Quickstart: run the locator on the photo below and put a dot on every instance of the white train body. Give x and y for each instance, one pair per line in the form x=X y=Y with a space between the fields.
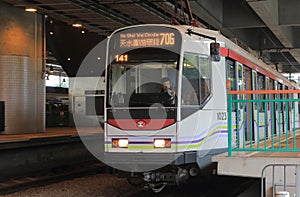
x=190 y=133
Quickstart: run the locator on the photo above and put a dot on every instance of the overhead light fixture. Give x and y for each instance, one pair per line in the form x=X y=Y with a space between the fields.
x=77 y=24
x=30 y=9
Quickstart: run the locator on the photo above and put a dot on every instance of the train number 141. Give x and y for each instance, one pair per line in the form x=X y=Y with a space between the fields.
x=221 y=116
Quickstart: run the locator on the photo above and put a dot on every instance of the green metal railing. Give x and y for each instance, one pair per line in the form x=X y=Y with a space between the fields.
x=268 y=124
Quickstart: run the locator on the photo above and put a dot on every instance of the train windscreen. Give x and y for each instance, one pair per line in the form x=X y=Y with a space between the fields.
x=139 y=83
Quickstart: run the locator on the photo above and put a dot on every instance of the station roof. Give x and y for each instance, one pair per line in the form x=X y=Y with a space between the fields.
x=270 y=27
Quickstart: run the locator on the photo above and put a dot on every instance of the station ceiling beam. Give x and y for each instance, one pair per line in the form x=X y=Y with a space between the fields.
x=269 y=27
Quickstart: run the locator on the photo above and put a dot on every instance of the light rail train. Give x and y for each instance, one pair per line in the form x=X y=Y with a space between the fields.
x=168 y=141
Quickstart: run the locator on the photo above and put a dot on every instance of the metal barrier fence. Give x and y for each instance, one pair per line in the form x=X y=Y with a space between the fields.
x=285 y=184
x=263 y=120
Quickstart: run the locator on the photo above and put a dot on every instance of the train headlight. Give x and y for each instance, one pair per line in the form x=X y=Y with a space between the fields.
x=162 y=143
x=120 y=143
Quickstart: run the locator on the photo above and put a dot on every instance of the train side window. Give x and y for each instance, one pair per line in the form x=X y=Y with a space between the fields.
x=190 y=80
x=261 y=86
x=205 y=78
x=231 y=78
x=286 y=96
x=254 y=87
x=240 y=82
x=272 y=87
x=267 y=96
x=280 y=96
x=196 y=85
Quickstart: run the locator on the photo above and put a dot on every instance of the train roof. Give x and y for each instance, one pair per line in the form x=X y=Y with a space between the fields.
x=261 y=66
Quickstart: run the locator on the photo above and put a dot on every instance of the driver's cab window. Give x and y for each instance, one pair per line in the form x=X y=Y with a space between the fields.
x=196 y=81
x=190 y=80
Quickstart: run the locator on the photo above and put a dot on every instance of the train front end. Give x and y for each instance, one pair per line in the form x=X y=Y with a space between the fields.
x=140 y=128
x=159 y=117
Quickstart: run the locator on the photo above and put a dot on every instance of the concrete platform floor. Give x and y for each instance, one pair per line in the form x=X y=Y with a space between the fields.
x=50 y=132
x=250 y=164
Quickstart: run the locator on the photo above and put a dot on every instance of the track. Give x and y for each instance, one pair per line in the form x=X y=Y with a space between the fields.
x=108 y=185
x=213 y=187
x=51 y=176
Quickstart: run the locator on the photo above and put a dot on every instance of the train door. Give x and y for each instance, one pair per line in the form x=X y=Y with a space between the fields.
x=283 y=96
x=241 y=116
x=276 y=108
x=267 y=108
x=287 y=112
x=292 y=111
x=247 y=79
x=255 y=105
x=279 y=113
x=283 y=108
x=231 y=77
x=297 y=104
x=259 y=122
x=272 y=106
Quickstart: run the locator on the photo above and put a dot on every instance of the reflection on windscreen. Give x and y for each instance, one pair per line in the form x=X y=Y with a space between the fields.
x=139 y=84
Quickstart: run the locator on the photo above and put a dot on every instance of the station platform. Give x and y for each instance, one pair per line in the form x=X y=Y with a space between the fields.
x=278 y=171
x=23 y=154
x=50 y=133
x=245 y=164
x=251 y=164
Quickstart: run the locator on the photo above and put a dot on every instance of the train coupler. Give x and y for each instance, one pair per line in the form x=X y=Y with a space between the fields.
x=158 y=180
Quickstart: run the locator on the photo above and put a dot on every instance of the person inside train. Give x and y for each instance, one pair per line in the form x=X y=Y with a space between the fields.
x=168 y=96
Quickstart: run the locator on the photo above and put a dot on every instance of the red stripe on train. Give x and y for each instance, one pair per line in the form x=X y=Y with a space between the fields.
x=224 y=51
x=141 y=124
x=232 y=54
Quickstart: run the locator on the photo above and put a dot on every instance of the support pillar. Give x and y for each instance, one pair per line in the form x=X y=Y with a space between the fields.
x=21 y=61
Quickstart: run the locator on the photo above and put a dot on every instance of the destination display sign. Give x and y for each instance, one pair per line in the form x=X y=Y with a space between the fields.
x=126 y=44
x=147 y=39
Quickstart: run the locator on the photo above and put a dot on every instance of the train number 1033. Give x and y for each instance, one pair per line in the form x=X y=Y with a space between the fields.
x=167 y=39
x=221 y=116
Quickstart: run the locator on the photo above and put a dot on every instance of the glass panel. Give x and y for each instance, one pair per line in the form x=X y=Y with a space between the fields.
x=232 y=79
x=254 y=87
x=137 y=82
x=231 y=75
x=205 y=78
x=57 y=81
x=261 y=86
x=190 y=80
x=254 y=81
x=241 y=83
